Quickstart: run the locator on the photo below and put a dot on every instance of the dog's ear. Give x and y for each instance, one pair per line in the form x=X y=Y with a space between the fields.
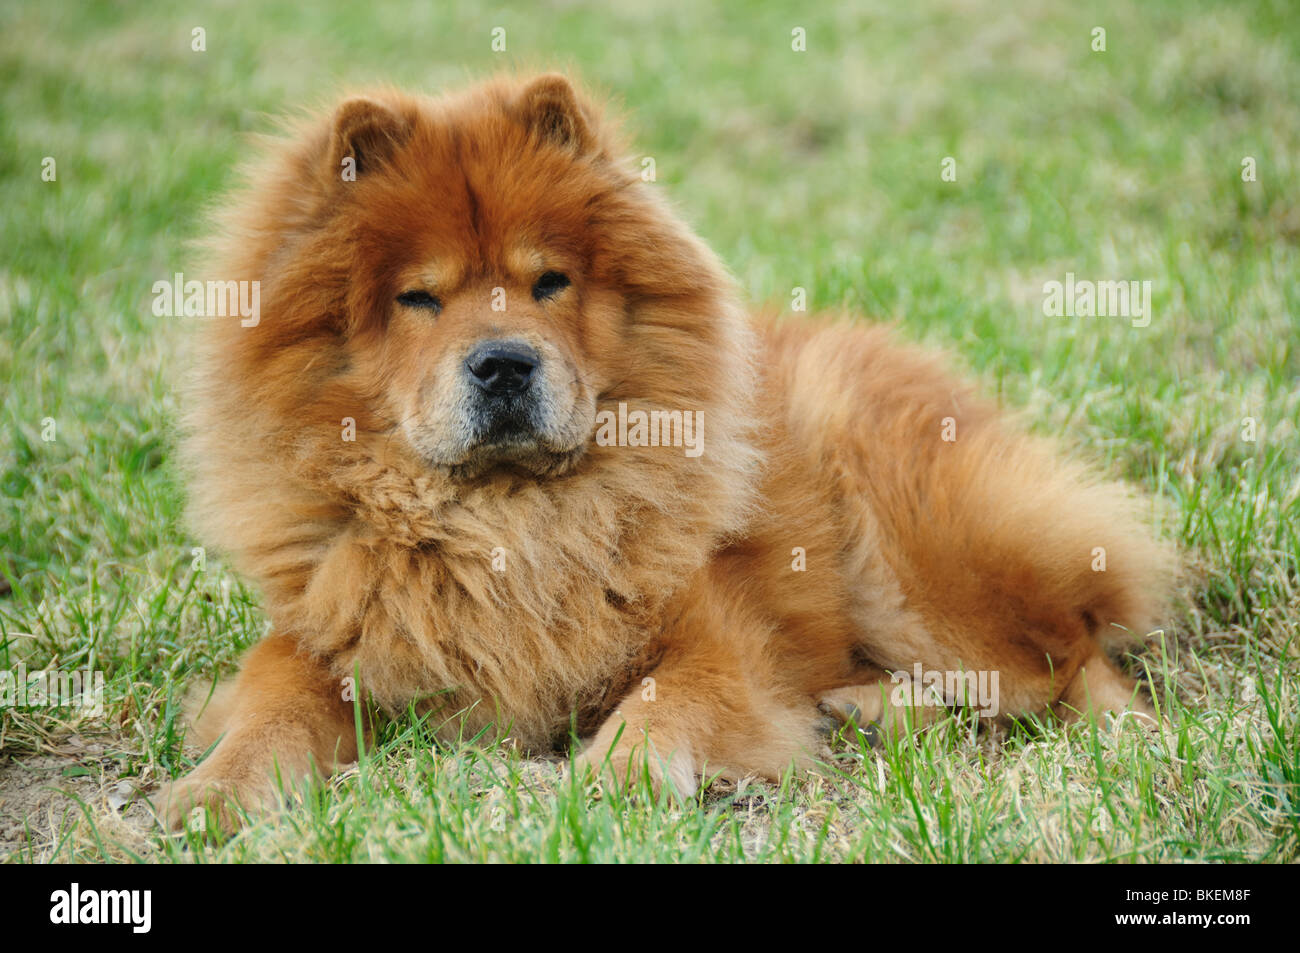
x=550 y=108
x=368 y=132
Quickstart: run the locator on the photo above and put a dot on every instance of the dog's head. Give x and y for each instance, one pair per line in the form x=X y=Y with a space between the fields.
x=483 y=272
x=490 y=323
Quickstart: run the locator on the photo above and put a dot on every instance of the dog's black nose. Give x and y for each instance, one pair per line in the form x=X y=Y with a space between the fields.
x=502 y=368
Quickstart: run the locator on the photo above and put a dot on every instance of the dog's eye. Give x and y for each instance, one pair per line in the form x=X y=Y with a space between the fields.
x=420 y=299
x=549 y=285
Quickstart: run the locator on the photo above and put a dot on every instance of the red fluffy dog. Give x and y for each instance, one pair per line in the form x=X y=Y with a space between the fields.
x=505 y=444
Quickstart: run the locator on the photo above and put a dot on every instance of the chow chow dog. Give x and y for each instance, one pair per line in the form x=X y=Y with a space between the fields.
x=504 y=447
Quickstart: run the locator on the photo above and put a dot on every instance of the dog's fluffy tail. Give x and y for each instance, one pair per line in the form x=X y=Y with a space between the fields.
x=1078 y=546
x=1009 y=552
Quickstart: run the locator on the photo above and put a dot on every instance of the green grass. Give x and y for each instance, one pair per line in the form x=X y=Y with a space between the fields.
x=817 y=170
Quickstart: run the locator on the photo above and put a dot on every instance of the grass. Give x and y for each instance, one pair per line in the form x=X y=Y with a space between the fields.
x=818 y=170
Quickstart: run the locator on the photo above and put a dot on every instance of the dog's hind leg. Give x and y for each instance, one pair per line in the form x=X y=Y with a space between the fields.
x=1099 y=686
x=973 y=547
x=878 y=707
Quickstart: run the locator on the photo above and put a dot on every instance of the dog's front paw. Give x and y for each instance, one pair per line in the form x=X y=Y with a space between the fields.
x=628 y=758
x=194 y=801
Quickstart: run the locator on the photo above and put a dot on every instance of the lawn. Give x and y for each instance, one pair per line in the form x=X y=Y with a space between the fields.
x=1171 y=156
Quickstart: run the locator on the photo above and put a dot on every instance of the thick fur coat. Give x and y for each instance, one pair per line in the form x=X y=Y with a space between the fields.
x=854 y=511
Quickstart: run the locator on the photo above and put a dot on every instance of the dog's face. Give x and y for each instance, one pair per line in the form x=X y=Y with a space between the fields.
x=486 y=312
x=492 y=369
